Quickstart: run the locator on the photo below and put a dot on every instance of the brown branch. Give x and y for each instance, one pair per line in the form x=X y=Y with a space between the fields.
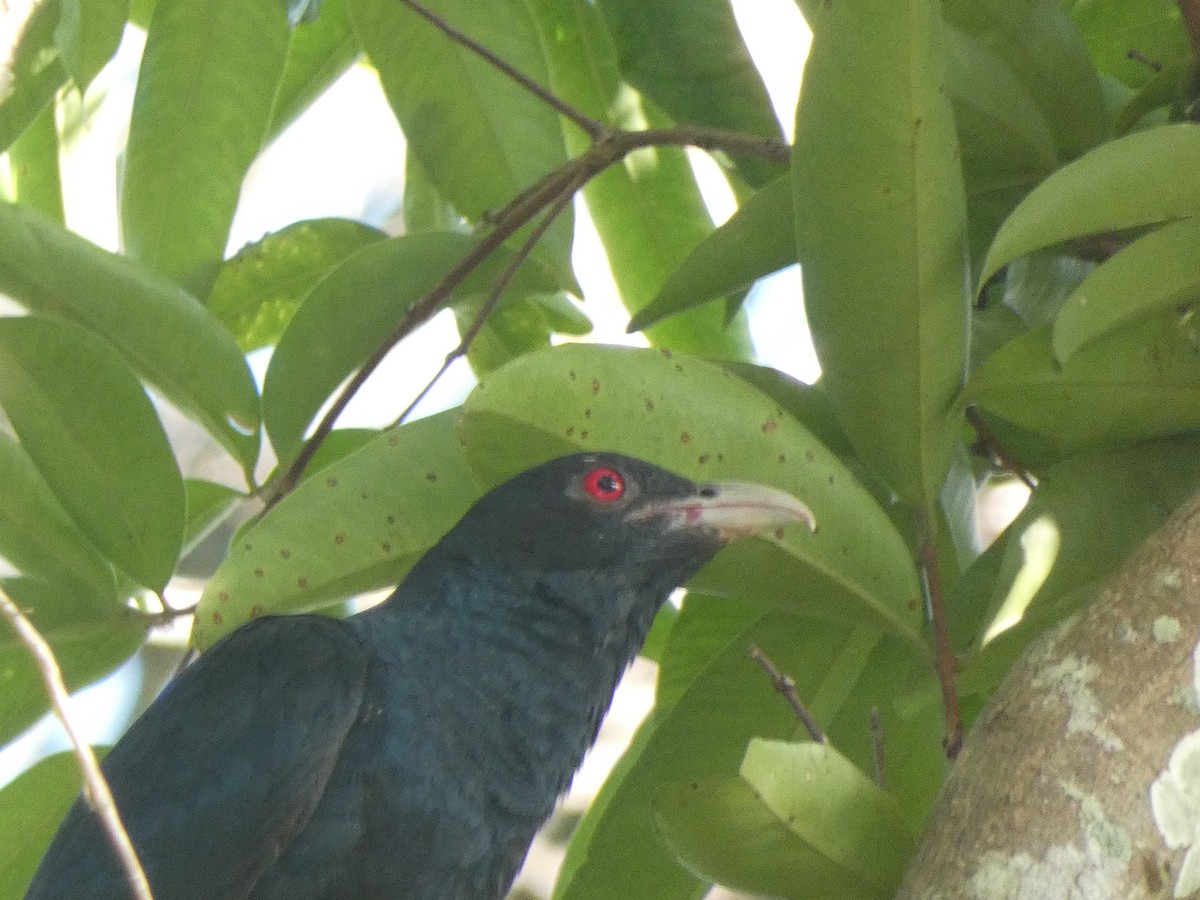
x=490 y=301
x=594 y=128
x=786 y=686
x=95 y=786
x=1189 y=11
x=945 y=662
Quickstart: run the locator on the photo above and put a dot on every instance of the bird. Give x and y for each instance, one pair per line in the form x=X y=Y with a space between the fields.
x=412 y=750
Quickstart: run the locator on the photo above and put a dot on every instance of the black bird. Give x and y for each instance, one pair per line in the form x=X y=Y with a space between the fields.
x=412 y=750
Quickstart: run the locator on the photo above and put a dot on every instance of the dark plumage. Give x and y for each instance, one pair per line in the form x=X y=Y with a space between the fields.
x=412 y=750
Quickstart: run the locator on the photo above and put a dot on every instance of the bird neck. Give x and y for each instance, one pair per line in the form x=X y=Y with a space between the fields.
x=531 y=659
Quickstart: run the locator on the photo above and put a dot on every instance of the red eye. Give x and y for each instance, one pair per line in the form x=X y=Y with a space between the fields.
x=604 y=484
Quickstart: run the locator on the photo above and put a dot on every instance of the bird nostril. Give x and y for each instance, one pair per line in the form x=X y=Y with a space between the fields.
x=708 y=490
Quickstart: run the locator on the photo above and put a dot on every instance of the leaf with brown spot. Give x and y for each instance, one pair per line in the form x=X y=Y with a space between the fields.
x=379 y=545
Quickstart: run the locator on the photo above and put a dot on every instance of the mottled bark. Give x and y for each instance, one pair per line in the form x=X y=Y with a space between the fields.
x=1051 y=795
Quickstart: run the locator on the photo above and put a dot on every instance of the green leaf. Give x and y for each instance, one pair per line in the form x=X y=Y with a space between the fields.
x=1140 y=179
x=1111 y=28
x=985 y=87
x=423 y=207
x=31 y=808
x=319 y=51
x=705 y=423
x=38 y=538
x=207 y=504
x=890 y=324
x=356 y=526
x=1163 y=98
x=33 y=174
x=35 y=73
x=257 y=292
x=688 y=57
x=338 y=443
x=615 y=851
x=648 y=223
x=482 y=138
x=991 y=328
x=1138 y=383
x=1007 y=144
x=807 y=403
x=1041 y=45
x=87 y=35
x=516 y=327
x=1156 y=273
x=833 y=806
x=161 y=331
x=89 y=640
x=89 y=427
x=350 y=312
x=712 y=699
x=647 y=209
x=759 y=239
x=800 y=821
x=204 y=95
x=562 y=315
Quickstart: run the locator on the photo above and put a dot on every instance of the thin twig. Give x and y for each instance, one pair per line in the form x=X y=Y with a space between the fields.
x=490 y=301
x=989 y=443
x=877 y=747
x=945 y=663
x=786 y=686
x=594 y=128
x=95 y=786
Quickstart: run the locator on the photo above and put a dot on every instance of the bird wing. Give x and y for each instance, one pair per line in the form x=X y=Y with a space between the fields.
x=220 y=773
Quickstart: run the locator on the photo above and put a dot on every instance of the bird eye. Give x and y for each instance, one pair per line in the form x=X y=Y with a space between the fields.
x=604 y=484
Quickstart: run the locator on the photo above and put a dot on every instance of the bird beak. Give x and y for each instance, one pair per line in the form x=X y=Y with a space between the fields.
x=732 y=509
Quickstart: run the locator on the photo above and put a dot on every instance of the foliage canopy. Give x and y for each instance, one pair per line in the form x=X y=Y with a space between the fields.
x=995 y=209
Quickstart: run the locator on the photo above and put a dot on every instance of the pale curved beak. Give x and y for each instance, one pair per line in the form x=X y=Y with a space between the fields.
x=732 y=509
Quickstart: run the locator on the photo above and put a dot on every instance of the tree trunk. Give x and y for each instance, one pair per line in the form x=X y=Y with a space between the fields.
x=1081 y=779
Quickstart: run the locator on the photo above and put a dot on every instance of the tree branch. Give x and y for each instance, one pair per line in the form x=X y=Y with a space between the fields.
x=95 y=786
x=1053 y=794
x=945 y=662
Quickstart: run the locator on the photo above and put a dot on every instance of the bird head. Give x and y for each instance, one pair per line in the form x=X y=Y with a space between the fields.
x=607 y=512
